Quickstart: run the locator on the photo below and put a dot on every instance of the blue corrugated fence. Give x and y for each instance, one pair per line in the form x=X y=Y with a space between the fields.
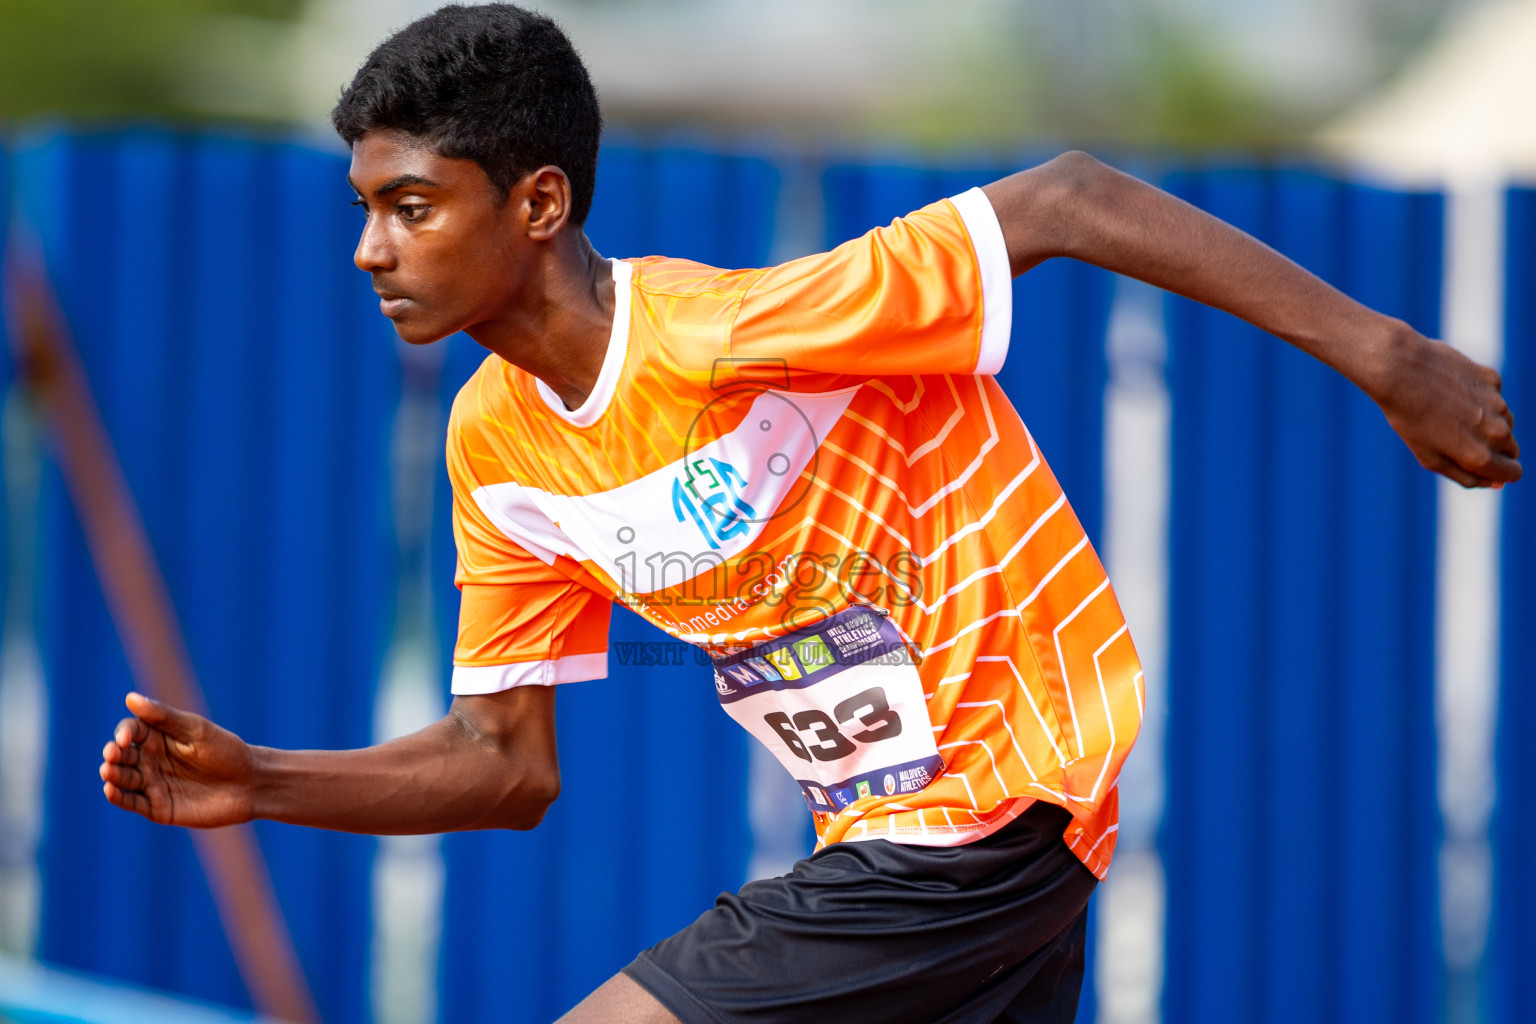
x=1513 y=945
x=1300 y=840
x=248 y=384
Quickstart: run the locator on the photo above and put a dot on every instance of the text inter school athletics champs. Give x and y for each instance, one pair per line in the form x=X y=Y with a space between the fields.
x=808 y=471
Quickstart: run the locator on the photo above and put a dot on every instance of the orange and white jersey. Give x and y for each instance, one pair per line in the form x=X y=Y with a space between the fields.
x=809 y=471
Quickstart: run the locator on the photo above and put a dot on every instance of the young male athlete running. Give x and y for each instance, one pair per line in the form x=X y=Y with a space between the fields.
x=809 y=471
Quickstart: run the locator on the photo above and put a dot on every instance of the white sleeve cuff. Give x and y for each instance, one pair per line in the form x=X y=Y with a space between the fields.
x=996 y=278
x=573 y=668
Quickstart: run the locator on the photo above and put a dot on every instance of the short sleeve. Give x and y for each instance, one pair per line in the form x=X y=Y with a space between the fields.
x=932 y=293
x=522 y=621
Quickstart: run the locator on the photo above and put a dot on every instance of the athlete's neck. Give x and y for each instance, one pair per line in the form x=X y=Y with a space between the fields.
x=559 y=329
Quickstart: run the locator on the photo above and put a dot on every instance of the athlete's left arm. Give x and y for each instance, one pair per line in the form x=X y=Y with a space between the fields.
x=1446 y=407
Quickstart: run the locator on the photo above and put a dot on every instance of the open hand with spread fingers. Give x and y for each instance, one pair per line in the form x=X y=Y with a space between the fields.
x=177 y=768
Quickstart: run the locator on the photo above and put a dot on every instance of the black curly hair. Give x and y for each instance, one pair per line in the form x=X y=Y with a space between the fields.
x=491 y=83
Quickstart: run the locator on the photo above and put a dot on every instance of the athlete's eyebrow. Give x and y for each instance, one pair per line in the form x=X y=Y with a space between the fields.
x=401 y=182
x=395 y=183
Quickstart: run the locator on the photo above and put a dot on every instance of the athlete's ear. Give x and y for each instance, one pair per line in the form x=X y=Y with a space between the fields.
x=549 y=202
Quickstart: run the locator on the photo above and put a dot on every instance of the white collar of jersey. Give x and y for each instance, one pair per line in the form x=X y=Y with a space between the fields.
x=613 y=360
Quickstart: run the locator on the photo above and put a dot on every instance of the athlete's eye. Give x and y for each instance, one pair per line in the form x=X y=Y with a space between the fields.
x=360 y=201
x=412 y=212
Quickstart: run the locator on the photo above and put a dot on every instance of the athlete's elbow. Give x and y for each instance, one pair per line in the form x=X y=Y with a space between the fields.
x=540 y=793
x=1077 y=168
x=505 y=747
x=1074 y=180
x=1044 y=210
x=1085 y=199
x=528 y=798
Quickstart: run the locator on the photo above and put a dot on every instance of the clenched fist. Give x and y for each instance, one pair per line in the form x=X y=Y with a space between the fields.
x=1450 y=412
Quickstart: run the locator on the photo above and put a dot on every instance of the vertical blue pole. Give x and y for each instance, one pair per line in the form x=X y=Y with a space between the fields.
x=1512 y=949
x=1388 y=958
x=1302 y=683
x=1221 y=383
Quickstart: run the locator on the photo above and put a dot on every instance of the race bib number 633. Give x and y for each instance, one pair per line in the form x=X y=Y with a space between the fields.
x=840 y=704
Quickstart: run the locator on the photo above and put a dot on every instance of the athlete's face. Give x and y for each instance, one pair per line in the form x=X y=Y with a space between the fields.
x=445 y=249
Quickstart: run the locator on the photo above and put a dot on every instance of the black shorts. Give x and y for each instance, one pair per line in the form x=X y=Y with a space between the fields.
x=880 y=932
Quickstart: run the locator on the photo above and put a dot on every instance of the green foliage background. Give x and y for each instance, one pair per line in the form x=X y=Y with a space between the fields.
x=107 y=58
x=1153 y=74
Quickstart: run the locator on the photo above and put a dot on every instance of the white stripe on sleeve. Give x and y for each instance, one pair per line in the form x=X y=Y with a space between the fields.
x=573 y=668
x=996 y=278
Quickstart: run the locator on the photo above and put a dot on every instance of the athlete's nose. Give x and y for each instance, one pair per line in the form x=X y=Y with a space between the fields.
x=374 y=253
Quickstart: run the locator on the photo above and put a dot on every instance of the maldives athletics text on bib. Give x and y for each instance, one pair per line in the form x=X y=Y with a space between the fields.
x=840 y=704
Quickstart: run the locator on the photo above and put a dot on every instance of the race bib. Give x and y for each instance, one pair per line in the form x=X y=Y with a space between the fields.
x=841 y=706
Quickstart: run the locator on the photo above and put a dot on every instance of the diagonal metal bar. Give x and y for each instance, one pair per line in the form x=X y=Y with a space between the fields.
x=146 y=621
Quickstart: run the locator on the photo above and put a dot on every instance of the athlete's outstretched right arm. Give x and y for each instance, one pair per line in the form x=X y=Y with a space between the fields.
x=1446 y=408
x=489 y=763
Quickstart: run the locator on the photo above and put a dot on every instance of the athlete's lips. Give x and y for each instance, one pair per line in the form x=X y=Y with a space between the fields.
x=392 y=303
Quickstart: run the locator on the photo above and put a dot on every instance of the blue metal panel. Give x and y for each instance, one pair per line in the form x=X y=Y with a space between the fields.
x=1387 y=915
x=328 y=572
x=249 y=390
x=1218 y=519
x=1512 y=950
x=81 y=652
x=534 y=921
x=623 y=205
x=1301 y=831
x=680 y=200
x=718 y=228
x=1302 y=545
